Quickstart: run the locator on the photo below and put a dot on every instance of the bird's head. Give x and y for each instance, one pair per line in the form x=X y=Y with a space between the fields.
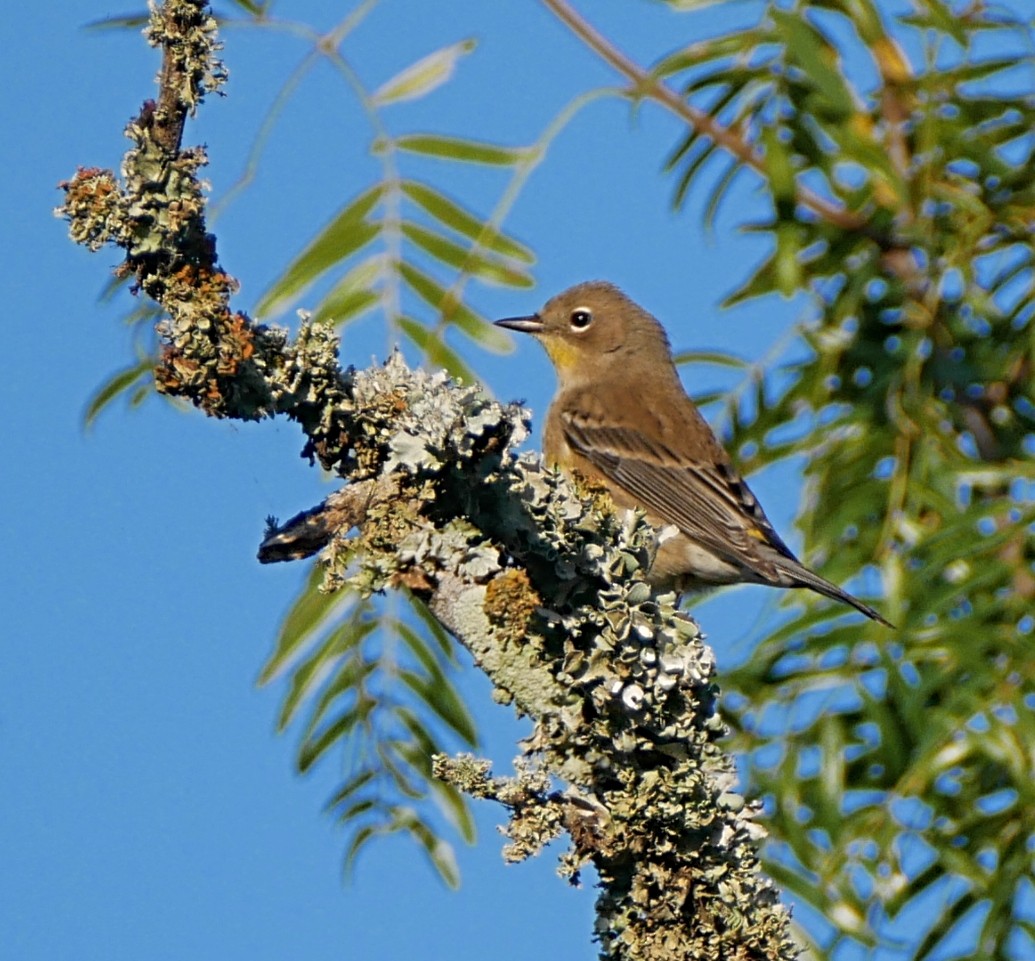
x=593 y=331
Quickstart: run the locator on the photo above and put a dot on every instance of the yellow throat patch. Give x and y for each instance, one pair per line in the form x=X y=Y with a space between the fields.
x=564 y=355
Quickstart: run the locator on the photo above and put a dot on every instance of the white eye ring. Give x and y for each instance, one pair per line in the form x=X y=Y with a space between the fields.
x=581 y=318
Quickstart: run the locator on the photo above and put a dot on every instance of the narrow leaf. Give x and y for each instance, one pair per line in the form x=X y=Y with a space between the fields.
x=780 y=172
x=468 y=151
x=452 y=215
x=817 y=58
x=314 y=747
x=317 y=667
x=343 y=236
x=358 y=842
x=128 y=21
x=463 y=258
x=436 y=351
x=455 y=807
x=942 y=18
x=119 y=382
x=788 y=263
x=420 y=78
x=443 y=699
x=454 y=311
x=306 y=615
x=434 y=627
x=357 y=782
x=353 y=295
x=440 y=853
x=717 y=358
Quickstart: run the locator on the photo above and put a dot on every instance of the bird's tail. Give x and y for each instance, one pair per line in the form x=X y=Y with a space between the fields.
x=801 y=576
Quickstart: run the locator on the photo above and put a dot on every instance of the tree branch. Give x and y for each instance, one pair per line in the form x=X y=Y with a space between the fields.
x=543 y=584
x=643 y=83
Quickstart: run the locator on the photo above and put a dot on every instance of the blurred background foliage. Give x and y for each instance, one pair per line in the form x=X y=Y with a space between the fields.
x=893 y=142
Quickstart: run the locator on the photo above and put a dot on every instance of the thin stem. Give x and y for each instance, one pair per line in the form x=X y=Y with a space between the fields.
x=645 y=85
x=265 y=132
x=533 y=158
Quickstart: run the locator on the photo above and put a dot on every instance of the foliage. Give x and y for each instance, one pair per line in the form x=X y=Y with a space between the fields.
x=897 y=769
x=385 y=696
x=897 y=153
x=371 y=680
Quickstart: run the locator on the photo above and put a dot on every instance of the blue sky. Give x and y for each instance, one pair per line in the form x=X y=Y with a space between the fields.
x=149 y=811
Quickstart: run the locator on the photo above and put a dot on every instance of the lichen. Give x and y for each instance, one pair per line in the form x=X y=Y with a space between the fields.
x=618 y=681
x=542 y=580
x=510 y=603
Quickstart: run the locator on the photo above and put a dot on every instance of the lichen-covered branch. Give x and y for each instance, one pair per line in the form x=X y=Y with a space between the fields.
x=542 y=582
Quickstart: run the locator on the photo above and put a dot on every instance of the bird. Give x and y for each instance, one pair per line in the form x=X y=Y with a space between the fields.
x=621 y=417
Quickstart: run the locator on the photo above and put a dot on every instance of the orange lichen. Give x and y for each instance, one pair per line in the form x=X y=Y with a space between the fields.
x=510 y=603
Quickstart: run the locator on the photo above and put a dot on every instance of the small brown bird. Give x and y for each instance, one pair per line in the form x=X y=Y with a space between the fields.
x=621 y=416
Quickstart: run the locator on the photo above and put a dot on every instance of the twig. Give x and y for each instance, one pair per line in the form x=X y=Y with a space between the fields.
x=646 y=85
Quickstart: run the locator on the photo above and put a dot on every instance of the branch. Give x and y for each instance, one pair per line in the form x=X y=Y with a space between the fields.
x=542 y=583
x=645 y=84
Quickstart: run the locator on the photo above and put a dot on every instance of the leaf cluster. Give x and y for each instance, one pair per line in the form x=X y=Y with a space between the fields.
x=379 y=685
x=895 y=152
x=365 y=680
x=896 y=768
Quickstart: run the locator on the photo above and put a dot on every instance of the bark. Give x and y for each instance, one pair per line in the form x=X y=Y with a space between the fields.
x=543 y=583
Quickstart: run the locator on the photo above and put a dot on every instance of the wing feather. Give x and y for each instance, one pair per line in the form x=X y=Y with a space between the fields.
x=707 y=501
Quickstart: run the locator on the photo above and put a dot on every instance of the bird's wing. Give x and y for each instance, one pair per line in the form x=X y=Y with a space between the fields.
x=707 y=501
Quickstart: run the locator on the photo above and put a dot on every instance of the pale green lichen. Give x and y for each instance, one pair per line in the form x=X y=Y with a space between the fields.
x=616 y=678
x=617 y=681
x=188 y=29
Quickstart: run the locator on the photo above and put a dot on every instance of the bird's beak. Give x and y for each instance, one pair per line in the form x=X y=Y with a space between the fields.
x=527 y=325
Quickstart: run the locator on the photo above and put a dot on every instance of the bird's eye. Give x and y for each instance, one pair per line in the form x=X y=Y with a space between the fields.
x=580 y=318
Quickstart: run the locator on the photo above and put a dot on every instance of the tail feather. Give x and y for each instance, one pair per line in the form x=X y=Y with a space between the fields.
x=801 y=576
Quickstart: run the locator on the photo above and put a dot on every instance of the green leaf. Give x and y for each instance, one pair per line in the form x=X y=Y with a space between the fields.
x=467 y=151
x=788 y=263
x=317 y=743
x=420 y=78
x=761 y=282
x=356 y=809
x=455 y=312
x=354 y=294
x=434 y=627
x=780 y=172
x=716 y=358
x=817 y=58
x=719 y=192
x=940 y=17
x=464 y=258
x=684 y=6
x=397 y=760
x=424 y=654
x=356 y=844
x=257 y=10
x=355 y=783
x=119 y=383
x=347 y=233
x=439 y=695
x=436 y=351
x=452 y=215
x=692 y=57
x=350 y=678
x=307 y=615
x=439 y=852
x=455 y=807
x=705 y=150
x=128 y=21
x=422 y=739
x=317 y=667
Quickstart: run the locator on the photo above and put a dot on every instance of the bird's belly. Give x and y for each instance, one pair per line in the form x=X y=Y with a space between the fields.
x=682 y=564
